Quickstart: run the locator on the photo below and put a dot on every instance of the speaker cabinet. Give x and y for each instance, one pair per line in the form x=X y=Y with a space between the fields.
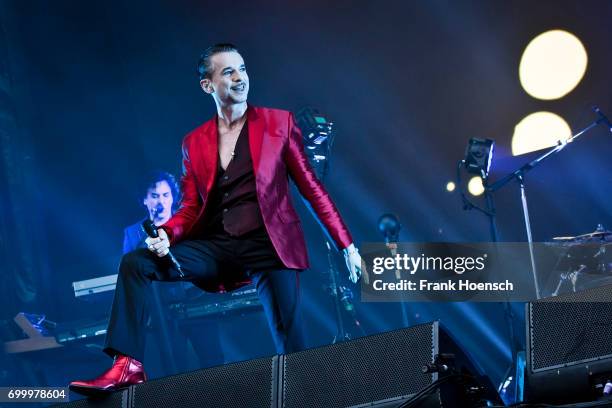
x=569 y=345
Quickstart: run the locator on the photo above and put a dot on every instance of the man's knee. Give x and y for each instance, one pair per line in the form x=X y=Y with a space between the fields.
x=134 y=261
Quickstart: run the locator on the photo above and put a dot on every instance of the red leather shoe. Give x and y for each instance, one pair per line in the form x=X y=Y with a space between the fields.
x=125 y=371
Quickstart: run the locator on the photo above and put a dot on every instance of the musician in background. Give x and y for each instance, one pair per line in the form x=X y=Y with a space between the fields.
x=160 y=196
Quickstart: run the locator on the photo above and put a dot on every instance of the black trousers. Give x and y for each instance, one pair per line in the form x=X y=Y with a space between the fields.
x=214 y=258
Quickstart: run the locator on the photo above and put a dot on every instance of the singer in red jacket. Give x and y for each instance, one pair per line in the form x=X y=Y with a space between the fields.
x=276 y=149
x=236 y=223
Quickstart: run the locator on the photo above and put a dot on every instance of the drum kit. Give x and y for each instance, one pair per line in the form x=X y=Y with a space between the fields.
x=584 y=261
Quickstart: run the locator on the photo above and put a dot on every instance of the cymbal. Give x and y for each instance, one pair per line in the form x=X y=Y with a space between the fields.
x=564 y=238
x=603 y=235
x=596 y=234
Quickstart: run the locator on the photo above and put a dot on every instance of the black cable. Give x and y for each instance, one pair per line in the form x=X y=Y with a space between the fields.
x=427 y=390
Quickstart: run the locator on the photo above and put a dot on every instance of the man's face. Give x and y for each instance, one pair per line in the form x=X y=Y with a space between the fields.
x=228 y=82
x=159 y=201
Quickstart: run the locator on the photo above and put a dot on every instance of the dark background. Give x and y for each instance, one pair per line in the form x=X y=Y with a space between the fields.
x=97 y=93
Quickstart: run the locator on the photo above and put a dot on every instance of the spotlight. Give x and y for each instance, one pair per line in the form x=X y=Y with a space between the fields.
x=552 y=65
x=475 y=186
x=539 y=130
x=478 y=155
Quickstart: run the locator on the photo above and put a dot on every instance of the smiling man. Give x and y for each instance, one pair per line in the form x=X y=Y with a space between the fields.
x=236 y=223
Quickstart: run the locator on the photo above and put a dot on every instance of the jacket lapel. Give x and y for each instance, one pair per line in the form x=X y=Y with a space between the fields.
x=210 y=145
x=256 y=130
x=210 y=152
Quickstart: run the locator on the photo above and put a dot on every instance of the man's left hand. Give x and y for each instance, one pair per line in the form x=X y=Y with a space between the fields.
x=353 y=262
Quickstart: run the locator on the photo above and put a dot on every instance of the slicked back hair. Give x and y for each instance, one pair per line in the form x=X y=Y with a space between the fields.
x=204 y=67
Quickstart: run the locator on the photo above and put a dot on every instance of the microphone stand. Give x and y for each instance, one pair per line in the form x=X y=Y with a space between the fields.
x=490 y=212
x=341 y=334
x=519 y=176
x=318 y=140
x=392 y=245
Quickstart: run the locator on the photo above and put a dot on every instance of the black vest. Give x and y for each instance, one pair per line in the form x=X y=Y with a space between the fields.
x=232 y=203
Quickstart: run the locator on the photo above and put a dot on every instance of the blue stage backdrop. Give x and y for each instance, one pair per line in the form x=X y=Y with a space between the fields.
x=102 y=92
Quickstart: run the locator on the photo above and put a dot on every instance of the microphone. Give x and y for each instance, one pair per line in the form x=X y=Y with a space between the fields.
x=151 y=230
x=603 y=118
x=155 y=211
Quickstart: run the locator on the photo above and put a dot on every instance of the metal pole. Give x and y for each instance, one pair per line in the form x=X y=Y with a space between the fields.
x=340 y=334
x=529 y=237
x=491 y=212
x=398 y=275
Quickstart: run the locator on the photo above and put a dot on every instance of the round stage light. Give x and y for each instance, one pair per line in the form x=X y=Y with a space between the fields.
x=537 y=131
x=450 y=186
x=552 y=64
x=475 y=186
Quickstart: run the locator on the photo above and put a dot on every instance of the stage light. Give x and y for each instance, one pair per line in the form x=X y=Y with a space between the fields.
x=552 y=65
x=450 y=186
x=537 y=131
x=478 y=155
x=475 y=186
x=316 y=127
x=318 y=136
x=389 y=226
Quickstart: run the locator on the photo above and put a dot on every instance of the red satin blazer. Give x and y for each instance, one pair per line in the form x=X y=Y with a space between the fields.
x=277 y=152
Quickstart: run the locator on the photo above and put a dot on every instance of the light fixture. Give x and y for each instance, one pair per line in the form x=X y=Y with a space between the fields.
x=318 y=136
x=478 y=156
x=389 y=226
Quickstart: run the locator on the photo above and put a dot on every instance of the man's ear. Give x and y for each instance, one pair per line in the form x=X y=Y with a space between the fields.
x=206 y=85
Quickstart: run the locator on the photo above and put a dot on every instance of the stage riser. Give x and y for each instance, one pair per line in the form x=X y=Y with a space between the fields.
x=382 y=370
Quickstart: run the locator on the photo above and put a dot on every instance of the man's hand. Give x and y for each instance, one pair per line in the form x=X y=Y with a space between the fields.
x=353 y=262
x=159 y=246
